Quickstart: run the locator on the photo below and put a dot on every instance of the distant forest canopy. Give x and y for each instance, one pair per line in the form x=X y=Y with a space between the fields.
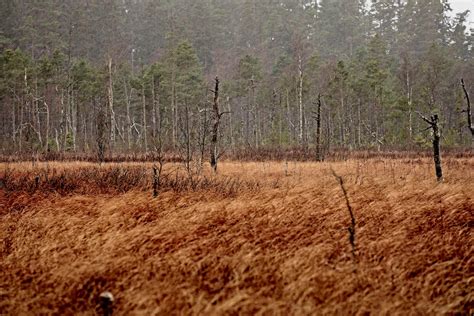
x=135 y=75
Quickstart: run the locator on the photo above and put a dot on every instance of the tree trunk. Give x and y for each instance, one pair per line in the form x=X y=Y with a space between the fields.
x=318 y=131
x=101 y=137
x=359 y=141
x=436 y=149
x=342 y=122
x=20 y=127
x=73 y=121
x=288 y=116
x=174 y=110
x=129 y=119
x=231 y=123
x=410 y=110
x=434 y=124
x=203 y=136
x=144 y=128
x=468 y=108
x=247 y=117
x=215 y=127
x=187 y=139
x=154 y=114
x=37 y=114
x=14 y=123
x=280 y=120
x=300 y=101
x=85 y=142
x=47 y=127
x=255 y=114
x=56 y=138
x=110 y=97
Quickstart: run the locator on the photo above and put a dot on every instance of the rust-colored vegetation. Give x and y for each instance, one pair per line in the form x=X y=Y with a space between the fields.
x=258 y=238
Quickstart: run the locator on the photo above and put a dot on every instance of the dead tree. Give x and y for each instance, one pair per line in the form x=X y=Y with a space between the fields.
x=319 y=156
x=110 y=101
x=101 y=133
x=215 y=127
x=433 y=122
x=158 y=169
x=468 y=109
x=302 y=133
x=144 y=127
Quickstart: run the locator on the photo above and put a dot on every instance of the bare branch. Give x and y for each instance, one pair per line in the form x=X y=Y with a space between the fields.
x=223 y=113
x=424 y=118
x=215 y=127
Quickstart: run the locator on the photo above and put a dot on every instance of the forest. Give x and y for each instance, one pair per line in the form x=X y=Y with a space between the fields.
x=138 y=75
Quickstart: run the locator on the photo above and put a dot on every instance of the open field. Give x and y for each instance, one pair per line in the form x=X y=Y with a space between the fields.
x=258 y=238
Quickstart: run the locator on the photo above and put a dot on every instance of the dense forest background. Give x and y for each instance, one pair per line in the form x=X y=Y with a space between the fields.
x=137 y=75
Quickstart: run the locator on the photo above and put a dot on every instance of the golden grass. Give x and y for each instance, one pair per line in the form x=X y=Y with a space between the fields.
x=276 y=243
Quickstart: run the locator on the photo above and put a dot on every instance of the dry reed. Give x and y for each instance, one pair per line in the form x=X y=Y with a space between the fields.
x=275 y=244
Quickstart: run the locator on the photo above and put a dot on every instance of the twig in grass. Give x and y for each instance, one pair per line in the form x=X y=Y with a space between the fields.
x=352 y=227
x=37 y=181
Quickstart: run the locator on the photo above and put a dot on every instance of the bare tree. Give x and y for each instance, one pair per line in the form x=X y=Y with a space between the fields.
x=319 y=156
x=300 y=101
x=144 y=127
x=155 y=84
x=254 y=108
x=101 y=135
x=433 y=122
x=110 y=100
x=215 y=127
x=128 y=100
x=158 y=141
x=468 y=108
x=203 y=135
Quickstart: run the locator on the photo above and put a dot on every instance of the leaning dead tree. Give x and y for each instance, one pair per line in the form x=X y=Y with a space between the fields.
x=468 y=109
x=216 y=120
x=433 y=122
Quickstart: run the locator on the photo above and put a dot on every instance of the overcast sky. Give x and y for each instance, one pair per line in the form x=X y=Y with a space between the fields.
x=462 y=5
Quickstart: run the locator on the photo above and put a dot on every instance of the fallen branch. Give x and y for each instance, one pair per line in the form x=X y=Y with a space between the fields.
x=352 y=227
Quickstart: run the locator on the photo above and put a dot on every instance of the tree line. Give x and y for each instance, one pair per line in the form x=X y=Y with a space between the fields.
x=128 y=76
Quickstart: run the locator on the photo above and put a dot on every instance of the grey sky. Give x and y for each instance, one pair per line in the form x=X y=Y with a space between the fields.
x=462 y=5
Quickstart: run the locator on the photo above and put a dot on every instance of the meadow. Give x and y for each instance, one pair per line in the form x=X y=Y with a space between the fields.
x=263 y=238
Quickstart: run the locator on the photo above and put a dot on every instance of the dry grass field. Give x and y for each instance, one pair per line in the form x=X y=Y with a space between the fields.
x=266 y=238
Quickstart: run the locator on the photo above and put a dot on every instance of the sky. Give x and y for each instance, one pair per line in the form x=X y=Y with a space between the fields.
x=462 y=5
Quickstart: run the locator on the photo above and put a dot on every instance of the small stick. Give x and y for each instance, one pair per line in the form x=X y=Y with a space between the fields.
x=106 y=303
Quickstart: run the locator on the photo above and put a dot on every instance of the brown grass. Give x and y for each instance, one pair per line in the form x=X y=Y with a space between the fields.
x=275 y=241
